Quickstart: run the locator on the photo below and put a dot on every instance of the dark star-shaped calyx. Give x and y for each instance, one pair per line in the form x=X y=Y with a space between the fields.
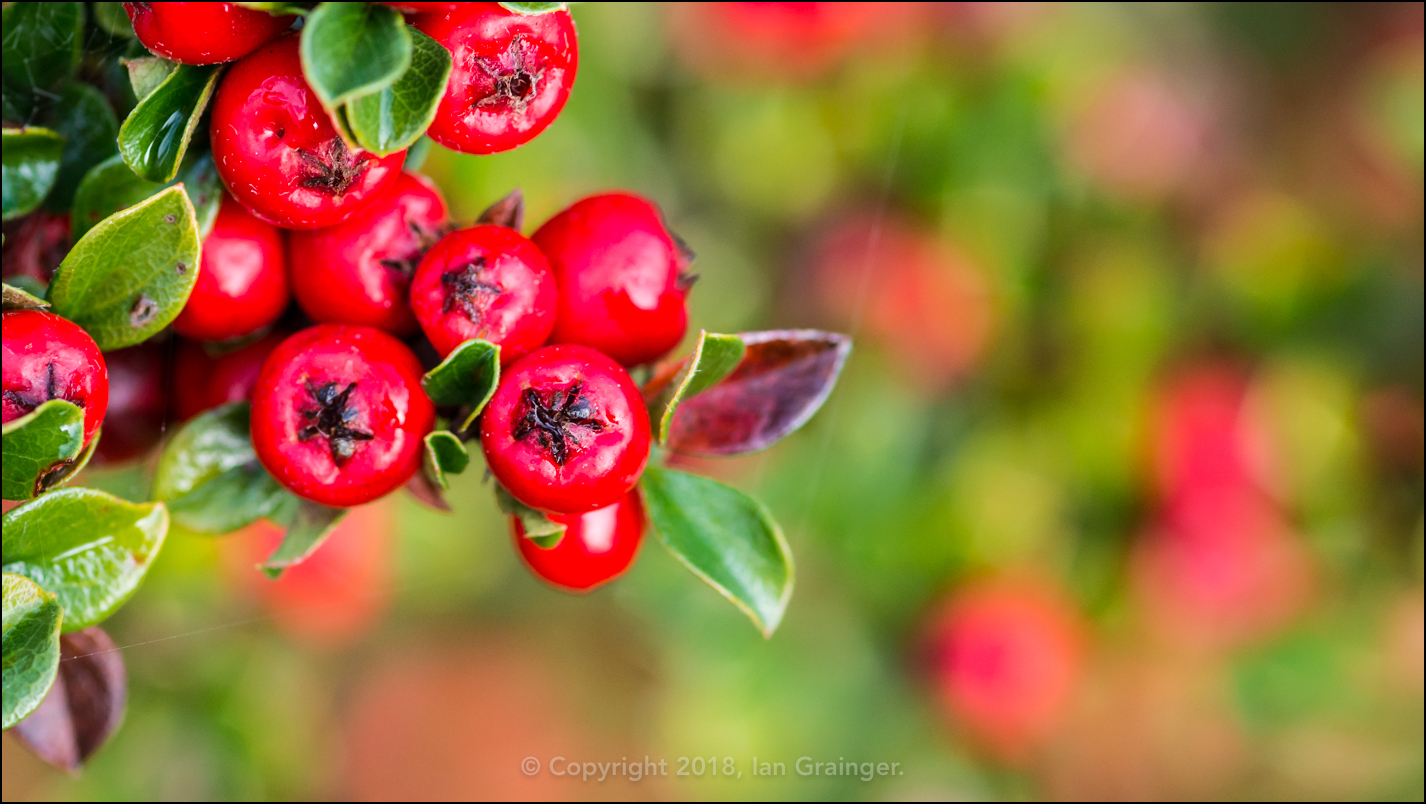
x=515 y=83
x=550 y=422
x=467 y=290
x=332 y=170
x=329 y=420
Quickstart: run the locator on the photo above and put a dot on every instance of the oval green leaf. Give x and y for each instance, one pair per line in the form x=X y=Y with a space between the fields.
x=31 y=164
x=30 y=659
x=84 y=118
x=111 y=186
x=726 y=537
x=90 y=548
x=530 y=9
x=155 y=135
x=130 y=276
x=279 y=9
x=311 y=525
x=146 y=73
x=467 y=377
x=713 y=357
x=445 y=454
x=209 y=476
x=353 y=49
x=41 y=449
x=42 y=43
x=394 y=118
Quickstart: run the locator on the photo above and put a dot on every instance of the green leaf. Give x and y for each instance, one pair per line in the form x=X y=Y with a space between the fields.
x=20 y=299
x=42 y=43
x=147 y=73
x=713 y=357
x=394 y=118
x=112 y=19
x=353 y=49
x=540 y=529
x=90 y=548
x=111 y=186
x=534 y=8
x=209 y=476
x=311 y=525
x=445 y=454
x=279 y=9
x=467 y=376
x=41 y=449
x=416 y=154
x=84 y=118
x=31 y=164
x=130 y=276
x=726 y=537
x=155 y=135
x=31 y=646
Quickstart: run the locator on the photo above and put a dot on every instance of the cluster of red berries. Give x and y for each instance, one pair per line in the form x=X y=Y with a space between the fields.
x=338 y=410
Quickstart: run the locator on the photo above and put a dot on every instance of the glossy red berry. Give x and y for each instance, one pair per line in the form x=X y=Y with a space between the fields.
x=213 y=378
x=138 y=402
x=35 y=245
x=623 y=278
x=359 y=271
x=510 y=76
x=485 y=282
x=203 y=33
x=598 y=546
x=566 y=430
x=277 y=151
x=47 y=357
x=339 y=415
x=422 y=8
x=242 y=284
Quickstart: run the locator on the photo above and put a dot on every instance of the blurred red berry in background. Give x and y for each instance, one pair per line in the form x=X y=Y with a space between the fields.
x=35 y=245
x=138 y=402
x=214 y=376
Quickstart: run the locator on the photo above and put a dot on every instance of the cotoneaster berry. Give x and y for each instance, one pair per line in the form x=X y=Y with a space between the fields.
x=277 y=151
x=422 y=8
x=209 y=379
x=338 y=415
x=623 y=278
x=485 y=282
x=242 y=284
x=566 y=430
x=203 y=33
x=359 y=271
x=598 y=546
x=35 y=245
x=510 y=76
x=138 y=402
x=47 y=357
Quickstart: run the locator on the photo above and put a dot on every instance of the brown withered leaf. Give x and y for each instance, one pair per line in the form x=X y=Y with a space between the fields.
x=508 y=211
x=83 y=707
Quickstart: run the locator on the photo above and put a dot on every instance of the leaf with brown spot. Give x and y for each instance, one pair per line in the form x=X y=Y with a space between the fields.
x=782 y=380
x=83 y=707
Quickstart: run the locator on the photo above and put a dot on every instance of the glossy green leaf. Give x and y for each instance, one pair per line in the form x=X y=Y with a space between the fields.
x=311 y=525
x=41 y=449
x=416 y=154
x=279 y=9
x=394 y=118
x=112 y=19
x=90 y=548
x=17 y=298
x=42 y=43
x=31 y=164
x=467 y=376
x=30 y=659
x=353 y=49
x=726 y=537
x=147 y=73
x=155 y=135
x=84 y=118
x=111 y=186
x=445 y=454
x=540 y=529
x=713 y=357
x=130 y=276
x=209 y=476
x=534 y=8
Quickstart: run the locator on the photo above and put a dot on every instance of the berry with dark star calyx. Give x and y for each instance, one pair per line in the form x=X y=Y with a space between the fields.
x=566 y=430
x=338 y=414
x=278 y=152
x=510 y=77
x=48 y=357
x=486 y=282
x=597 y=546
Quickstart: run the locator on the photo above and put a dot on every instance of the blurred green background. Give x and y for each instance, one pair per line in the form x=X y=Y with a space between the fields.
x=1058 y=234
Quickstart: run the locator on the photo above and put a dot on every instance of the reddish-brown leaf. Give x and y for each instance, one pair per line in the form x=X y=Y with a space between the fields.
x=508 y=211
x=85 y=704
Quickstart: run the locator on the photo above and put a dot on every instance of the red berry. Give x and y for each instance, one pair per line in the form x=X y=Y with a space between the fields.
x=203 y=33
x=422 y=8
x=210 y=380
x=242 y=281
x=36 y=244
x=277 y=151
x=47 y=357
x=359 y=271
x=566 y=430
x=597 y=546
x=339 y=415
x=485 y=282
x=622 y=277
x=138 y=403
x=510 y=78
